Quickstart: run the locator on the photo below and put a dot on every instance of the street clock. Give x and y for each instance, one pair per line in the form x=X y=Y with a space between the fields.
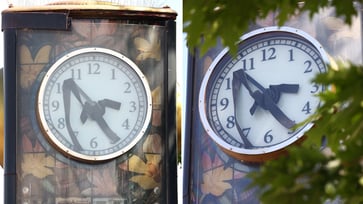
x=90 y=100
x=250 y=103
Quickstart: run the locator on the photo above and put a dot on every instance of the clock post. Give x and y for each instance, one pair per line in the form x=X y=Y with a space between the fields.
x=90 y=104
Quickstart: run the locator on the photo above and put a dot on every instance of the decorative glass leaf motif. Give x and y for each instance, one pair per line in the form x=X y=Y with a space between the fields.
x=104 y=181
x=35 y=187
x=72 y=181
x=87 y=33
x=29 y=66
x=83 y=182
x=152 y=144
x=208 y=163
x=30 y=142
x=47 y=185
x=149 y=49
x=216 y=175
x=99 y=33
x=148 y=172
x=37 y=164
x=156 y=95
x=214 y=181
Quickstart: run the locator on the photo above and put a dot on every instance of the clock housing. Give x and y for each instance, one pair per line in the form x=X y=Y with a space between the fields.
x=94 y=104
x=250 y=103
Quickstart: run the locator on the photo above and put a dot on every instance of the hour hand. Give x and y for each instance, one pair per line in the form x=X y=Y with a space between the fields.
x=110 y=104
x=266 y=102
x=91 y=107
x=267 y=98
x=274 y=91
x=96 y=111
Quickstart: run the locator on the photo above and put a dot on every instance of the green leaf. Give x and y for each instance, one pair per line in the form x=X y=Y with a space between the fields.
x=333 y=172
x=205 y=21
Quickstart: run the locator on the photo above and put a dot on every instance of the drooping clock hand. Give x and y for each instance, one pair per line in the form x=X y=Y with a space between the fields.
x=90 y=108
x=267 y=98
x=235 y=88
x=67 y=109
x=95 y=111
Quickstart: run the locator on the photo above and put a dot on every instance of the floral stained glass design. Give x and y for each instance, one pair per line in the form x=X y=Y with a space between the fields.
x=50 y=177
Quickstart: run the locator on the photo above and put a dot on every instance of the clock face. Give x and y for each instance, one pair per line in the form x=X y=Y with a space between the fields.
x=250 y=103
x=94 y=104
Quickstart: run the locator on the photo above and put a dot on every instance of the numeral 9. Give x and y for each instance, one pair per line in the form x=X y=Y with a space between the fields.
x=55 y=105
x=224 y=103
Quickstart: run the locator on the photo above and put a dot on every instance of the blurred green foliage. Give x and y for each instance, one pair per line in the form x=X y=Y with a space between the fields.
x=227 y=19
x=328 y=165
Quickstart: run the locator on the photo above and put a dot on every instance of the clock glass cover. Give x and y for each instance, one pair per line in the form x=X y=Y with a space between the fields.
x=94 y=104
x=250 y=102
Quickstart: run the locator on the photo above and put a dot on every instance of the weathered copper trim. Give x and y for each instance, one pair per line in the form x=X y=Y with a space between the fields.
x=97 y=9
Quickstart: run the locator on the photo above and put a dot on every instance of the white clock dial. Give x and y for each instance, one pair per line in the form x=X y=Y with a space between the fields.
x=250 y=103
x=94 y=104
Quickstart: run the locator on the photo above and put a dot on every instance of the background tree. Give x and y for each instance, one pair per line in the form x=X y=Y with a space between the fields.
x=309 y=173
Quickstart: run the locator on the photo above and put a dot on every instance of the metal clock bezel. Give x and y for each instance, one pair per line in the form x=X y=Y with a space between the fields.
x=259 y=154
x=68 y=152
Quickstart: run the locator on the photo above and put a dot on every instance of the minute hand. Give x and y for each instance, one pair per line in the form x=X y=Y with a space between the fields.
x=268 y=98
x=236 y=84
x=92 y=109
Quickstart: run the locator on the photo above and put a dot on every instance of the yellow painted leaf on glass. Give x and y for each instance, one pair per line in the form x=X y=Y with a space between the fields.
x=148 y=172
x=214 y=181
x=149 y=49
x=29 y=67
x=37 y=164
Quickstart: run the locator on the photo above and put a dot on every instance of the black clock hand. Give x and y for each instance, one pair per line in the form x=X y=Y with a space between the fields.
x=92 y=109
x=67 y=101
x=110 y=104
x=268 y=98
x=275 y=92
x=265 y=101
x=236 y=83
x=96 y=111
x=98 y=107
